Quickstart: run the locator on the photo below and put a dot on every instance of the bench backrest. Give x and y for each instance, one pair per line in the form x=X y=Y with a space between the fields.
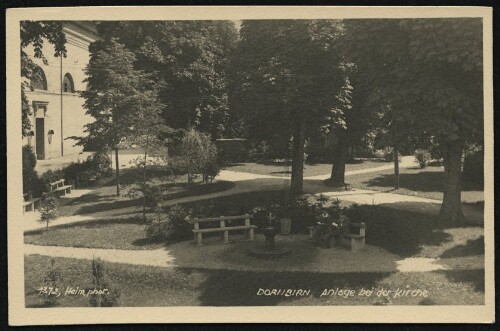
x=57 y=183
x=222 y=220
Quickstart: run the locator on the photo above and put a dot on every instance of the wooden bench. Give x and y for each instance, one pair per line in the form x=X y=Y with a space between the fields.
x=85 y=178
x=357 y=238
x=60 y=188
x=198 y=232
x=29 y=203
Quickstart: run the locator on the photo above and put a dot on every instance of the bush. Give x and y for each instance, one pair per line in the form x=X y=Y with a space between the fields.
x=386 y=154
x=50 y=176
x=31 y=181
x=169 y=227
x=101 y=294
x=96 y=165
x=201 y=154
x=423 y=157
x=262 y=153
x=101 y=163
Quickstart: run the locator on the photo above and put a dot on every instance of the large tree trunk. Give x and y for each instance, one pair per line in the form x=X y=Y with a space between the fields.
x=396 y=167
x=117 y=166
x=297 y=183
x=338 y=167
x=451 y=208
x=144 y=176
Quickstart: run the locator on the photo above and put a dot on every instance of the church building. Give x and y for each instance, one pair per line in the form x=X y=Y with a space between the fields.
x=57 y=107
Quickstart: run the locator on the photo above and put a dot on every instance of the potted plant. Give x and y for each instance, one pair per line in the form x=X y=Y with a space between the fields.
x=286 y=219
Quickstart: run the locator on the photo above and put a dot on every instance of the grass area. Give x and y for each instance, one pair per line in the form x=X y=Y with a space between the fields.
x=404 y=233
x=104 y=198
x=118 y=234
x=276 y=169
x=153 y=286
x=426 y=183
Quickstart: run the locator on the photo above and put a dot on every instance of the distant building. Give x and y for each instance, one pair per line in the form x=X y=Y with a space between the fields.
x=57 y=111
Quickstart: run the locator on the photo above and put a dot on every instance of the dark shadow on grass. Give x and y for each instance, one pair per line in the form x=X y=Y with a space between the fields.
x=474 y=277
x=105 y=206
x=90 y=224
x=424 y=181
x=241 y=288
x=472 y=247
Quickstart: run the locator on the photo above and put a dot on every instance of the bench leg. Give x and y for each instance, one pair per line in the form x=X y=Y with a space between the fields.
x=357 y=244
x=199 y=238
x=251 y=234
x=226 y=237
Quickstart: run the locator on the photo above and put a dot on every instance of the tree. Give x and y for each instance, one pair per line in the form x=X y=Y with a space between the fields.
x=430 y=73
x=200 y=154
x=286 y=75
x=121 y=99
x=35 y=33
x=48 y=209
x=189 y=59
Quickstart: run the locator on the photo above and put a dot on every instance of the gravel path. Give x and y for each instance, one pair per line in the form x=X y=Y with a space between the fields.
x=247 y=182
x=235 y=256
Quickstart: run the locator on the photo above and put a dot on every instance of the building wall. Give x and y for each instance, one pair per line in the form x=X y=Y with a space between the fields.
x=65 y=114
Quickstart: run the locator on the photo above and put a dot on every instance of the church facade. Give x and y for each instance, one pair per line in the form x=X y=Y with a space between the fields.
x=57 y=107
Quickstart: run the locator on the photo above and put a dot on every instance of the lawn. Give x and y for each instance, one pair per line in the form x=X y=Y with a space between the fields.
x=426 y=183
x=119 y=234
x=277 y=169
x=404 y=233
x=154 y=286
x=104 y=198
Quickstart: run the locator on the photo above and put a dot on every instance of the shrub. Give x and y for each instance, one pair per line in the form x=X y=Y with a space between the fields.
x=201 y=154
x=302 y=214
x=169 y=227
x=31 y=181
x=386 y=154
x=50 y=290
x=50 y=176
x=262 y=153
x=423 y=157
x=101 y=294
x=101 y=163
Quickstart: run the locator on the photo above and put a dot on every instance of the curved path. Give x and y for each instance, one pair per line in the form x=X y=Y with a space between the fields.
x=247 y=182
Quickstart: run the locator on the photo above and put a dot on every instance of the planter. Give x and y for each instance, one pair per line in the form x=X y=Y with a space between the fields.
x=286 y=225
x=269 y=232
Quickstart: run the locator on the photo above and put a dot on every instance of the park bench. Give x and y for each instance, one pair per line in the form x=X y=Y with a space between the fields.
x=198 y=232
x=29 y=203
x=60 y=188
x=85 y=178
x=356 y=235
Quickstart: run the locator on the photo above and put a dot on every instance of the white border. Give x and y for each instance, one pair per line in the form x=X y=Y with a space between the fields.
x=19 y=315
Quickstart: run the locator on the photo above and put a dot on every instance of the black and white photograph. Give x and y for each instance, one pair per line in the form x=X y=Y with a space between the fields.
x=282 y=162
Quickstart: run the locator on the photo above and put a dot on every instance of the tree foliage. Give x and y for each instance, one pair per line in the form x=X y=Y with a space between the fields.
x=287 y=76
x=189 y=60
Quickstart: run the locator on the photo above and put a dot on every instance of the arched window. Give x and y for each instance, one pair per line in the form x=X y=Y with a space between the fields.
x=68 y=85
x=38 y=79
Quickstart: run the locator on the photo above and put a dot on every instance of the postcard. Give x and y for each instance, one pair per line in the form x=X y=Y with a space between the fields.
x=250 y=164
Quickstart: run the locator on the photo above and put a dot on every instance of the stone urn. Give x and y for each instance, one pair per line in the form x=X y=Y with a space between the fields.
x=270 y=232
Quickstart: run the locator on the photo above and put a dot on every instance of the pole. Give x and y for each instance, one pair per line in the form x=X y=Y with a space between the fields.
x=117 y=166
x=61 y=80
x=396 y=167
